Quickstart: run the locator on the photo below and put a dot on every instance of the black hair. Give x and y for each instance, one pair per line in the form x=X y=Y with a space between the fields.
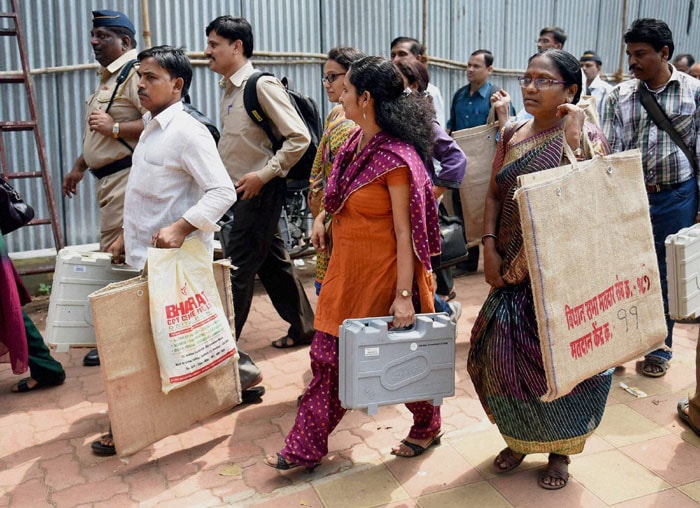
x=567 y=65
x=488 y=56
x=173 y=60
x=345 y=55
x=121 y=32
x=415 y=71
x=652 y=31
x=558 y=33
x=233 y=29
x=417 y=49
x=404 y=116
x=690 y=58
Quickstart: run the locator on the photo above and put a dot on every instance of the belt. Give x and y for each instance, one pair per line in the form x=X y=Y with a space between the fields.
x=112 y=168
x=653 y=189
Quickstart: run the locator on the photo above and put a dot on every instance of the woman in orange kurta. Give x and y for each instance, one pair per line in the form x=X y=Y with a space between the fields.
x=385 y=229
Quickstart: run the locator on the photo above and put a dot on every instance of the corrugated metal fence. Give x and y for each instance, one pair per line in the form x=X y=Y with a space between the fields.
x=58 y=36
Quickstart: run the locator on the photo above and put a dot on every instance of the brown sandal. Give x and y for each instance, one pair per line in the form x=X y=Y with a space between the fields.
x=557 y=469
x=508 y=457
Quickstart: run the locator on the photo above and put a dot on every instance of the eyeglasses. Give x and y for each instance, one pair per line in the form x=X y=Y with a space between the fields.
x=540 y=83
x=331 y=77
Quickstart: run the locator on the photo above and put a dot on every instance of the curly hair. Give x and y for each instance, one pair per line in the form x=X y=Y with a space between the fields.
x=404 y=116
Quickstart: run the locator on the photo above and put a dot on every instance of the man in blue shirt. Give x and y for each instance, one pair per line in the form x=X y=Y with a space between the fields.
x=470 y=104
x=470 y=108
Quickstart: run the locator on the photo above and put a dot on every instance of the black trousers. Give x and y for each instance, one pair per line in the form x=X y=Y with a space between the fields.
x=254 y=245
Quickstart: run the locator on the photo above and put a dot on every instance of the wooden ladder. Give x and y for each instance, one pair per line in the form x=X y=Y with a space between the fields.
x=23 y=77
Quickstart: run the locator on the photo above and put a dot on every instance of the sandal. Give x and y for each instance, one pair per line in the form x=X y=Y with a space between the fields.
x=557 y=469
x=448 y=298
x=416 y=448
x=507 y=456
x=284 y=465
x=99 y=448
x=683 y=406
x=23 y=385
x=287 y=342
x=655 y=366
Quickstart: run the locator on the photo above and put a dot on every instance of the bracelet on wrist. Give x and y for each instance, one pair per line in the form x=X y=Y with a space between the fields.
x=488 y=235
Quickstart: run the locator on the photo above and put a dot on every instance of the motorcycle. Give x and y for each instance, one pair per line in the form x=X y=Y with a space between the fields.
x=296 y=220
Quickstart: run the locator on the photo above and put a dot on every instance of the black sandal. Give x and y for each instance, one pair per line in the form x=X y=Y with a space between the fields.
x=418 y=449
x=102 y=449
x=284 y=465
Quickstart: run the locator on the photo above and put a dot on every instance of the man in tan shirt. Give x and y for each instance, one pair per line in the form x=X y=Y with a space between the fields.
x=254 y=243
x=110 y=135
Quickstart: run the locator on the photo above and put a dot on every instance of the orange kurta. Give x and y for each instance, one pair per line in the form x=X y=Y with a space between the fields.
x=361 y=277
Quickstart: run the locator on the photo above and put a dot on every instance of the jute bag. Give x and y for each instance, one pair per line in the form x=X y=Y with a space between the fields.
x=140 y=412
x=479 y=145
x=590 y=254
x=190 y=329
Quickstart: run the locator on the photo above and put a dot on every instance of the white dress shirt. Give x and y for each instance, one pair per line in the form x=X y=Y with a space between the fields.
x=176 y=173
x=600 y=90
x=438 y=104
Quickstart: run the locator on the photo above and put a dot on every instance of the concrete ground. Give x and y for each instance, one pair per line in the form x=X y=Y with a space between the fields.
x=641 y=455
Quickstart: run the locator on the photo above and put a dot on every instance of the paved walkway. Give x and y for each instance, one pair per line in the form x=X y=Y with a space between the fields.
x=641 y=455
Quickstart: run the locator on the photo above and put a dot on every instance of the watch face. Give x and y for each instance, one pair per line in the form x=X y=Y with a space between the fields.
x=405 y=292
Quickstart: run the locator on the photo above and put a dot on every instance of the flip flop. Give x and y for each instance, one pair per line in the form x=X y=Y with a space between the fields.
x=284 y=465
x=510 y=458
x=418 y=449
x=557 y=469
x=684 y=404
x=655 y=361
x=102 y=449
x=287 y=342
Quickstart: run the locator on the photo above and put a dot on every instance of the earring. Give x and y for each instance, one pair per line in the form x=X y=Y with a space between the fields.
x=364 y=116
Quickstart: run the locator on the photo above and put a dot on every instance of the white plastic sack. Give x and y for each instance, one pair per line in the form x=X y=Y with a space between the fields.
x=191 y=332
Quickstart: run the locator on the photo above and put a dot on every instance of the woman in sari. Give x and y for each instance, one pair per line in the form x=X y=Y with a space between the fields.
x=385 y=230
x=505 y=360
x=335 y=132
x=21 y=344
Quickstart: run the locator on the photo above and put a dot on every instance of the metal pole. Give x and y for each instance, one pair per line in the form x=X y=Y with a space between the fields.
x=424 y=33
x=619 y=75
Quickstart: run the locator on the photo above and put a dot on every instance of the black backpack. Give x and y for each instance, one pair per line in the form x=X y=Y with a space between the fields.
x=201 y=118
x=306 y=108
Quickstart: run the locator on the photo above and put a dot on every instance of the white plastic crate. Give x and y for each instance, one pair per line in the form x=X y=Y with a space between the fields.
x=683 y=273
x=69 y=321
x=379 y=367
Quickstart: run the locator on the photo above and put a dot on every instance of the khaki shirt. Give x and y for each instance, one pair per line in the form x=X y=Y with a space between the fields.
x=244 y=146
x=99 y=150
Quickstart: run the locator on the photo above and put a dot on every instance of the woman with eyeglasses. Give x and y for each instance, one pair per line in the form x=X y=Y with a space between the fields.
x=505 y=360
x=335 y=131
x=385 y=230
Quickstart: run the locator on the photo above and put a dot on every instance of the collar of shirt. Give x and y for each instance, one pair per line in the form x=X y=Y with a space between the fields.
x=163 y=118
x=675 y=76
x=119 y=62
x=237 y=78
x=483 y=91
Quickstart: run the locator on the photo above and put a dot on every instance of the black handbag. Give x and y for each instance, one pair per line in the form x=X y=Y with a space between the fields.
x=14 y=212
x=454 y=245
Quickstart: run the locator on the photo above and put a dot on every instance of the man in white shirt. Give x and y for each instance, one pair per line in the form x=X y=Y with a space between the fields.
x=591 y=65
x=408 y=47
x=178 y=185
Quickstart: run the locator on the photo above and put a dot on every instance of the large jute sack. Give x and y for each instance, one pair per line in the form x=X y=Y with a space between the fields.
x=590 y=253
x=190 y=329
x=140 y=413
x=479 y=146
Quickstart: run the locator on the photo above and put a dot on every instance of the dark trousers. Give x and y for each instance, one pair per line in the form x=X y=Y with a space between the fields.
x=670 y=211
x=472 y=262
x=255 y=246
x=42 y=366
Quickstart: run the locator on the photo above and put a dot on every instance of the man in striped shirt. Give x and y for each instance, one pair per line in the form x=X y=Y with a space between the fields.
x=669 y=175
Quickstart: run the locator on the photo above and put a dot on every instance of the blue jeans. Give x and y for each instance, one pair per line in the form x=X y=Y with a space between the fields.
x=670 y=211
x=441 y=305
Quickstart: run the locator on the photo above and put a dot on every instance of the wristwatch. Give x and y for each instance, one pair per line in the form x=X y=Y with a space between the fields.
x=404 y=292
x=115 y=130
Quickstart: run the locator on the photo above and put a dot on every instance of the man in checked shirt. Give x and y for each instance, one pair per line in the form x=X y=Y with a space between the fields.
x=669 y=174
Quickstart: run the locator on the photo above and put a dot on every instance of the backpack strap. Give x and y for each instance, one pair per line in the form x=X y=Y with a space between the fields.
x=120 y=80
x=663 y=122
x=255 y=111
